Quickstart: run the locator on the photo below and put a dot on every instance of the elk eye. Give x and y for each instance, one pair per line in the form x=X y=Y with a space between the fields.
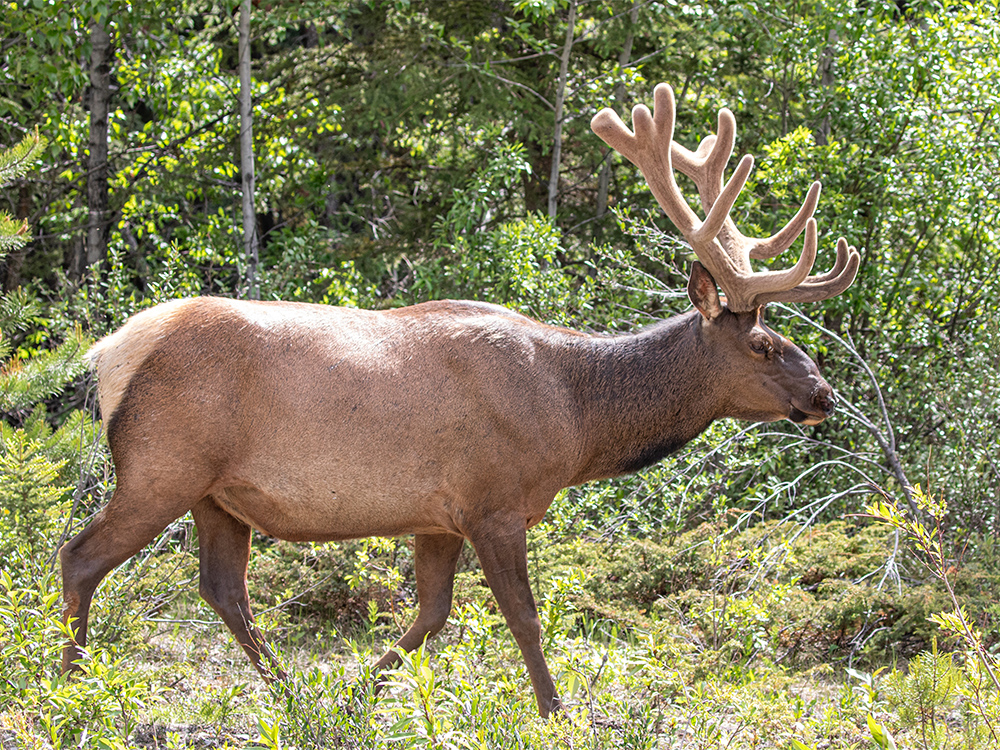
x=761 y=346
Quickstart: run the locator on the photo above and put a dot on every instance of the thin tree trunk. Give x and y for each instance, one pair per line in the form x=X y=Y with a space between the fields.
x=15 y=258
x=95 y=248
x=624 y=57
x=560 y=98
x=826 y=80
x=250 y=240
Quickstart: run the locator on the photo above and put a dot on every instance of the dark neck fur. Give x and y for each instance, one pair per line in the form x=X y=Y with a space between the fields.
x=642 y=396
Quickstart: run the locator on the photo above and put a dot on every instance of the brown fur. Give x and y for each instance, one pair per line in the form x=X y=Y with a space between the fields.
x=448 y=420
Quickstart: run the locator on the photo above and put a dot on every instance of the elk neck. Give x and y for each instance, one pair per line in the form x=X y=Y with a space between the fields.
x=643 y=396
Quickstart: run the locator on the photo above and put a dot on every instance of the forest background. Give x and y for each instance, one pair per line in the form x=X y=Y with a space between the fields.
x=768 y=586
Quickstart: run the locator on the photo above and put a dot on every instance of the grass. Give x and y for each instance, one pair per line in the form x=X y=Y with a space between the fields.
x=671 y=644
x=470 y=689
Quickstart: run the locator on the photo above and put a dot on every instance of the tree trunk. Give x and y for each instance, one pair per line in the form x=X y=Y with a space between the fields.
x=624 y=57
x=560 y=98
x=250 y=239
x=826 y=80
x=95 y=248
x=15 y=258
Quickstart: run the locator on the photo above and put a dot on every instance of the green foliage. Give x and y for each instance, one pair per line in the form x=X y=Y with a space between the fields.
x=880 y=736
x=39 y=467
x=25 y=382
x=99 y=709
x=14 y=162
x=326 y=709
x=935 y=682
x=17 y=160
x=306 y=268
x=29 y=623
x=924 y=694
x=427 y=718
x=518 y=264
x=514 y=265
x=771 y=591
x=31 y=502
x=332 y=584
x=490 y=191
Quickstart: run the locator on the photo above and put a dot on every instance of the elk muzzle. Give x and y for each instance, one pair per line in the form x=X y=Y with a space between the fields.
x=822 y=404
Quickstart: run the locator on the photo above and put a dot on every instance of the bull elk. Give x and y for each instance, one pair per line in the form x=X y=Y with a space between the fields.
x=446 y=420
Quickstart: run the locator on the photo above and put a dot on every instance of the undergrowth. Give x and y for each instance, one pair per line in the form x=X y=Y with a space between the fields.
x=858 y=632
x=715 y=638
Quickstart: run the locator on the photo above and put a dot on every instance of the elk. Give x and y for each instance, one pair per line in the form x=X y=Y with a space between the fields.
x=448 y=420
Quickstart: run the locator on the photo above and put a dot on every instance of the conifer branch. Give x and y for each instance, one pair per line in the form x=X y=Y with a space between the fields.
x=17 y=160
x=14 y=163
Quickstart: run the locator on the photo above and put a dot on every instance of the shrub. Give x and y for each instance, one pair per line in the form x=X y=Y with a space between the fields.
x=334 y=584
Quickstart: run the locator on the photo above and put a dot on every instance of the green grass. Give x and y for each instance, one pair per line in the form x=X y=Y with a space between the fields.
x=671 y=644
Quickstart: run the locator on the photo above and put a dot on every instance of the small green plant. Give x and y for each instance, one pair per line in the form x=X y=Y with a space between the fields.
x=423 y=710
x=930 y=546
x=880 y=735
x=923 y=695
x=558 y=611
x=377 y=572
x=30 y=495
x=864 y=688
x=220 y=704
x=269 y=730
x=99 y=707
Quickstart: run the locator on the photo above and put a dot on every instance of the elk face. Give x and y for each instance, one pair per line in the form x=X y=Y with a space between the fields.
x=767 y=376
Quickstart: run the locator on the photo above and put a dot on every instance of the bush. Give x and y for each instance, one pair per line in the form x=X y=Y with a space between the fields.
x=799 y=599
x=337 y=585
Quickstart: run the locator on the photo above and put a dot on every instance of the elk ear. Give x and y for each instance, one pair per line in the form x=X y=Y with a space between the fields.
x=703 y=293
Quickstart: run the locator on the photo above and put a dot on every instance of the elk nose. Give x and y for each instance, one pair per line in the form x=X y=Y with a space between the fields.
x=824 y=400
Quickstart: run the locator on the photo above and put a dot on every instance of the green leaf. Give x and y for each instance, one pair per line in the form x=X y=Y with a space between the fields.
x=880 y=734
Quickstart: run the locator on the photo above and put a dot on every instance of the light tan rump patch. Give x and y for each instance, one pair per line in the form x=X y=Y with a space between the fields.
x=116 y=357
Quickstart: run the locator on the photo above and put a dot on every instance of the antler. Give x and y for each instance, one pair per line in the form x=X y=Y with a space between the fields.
x=718 y=244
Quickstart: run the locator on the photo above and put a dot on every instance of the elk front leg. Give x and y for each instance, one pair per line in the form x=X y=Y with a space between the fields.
x=224 y=552
x=435 y=557
x=503 y=553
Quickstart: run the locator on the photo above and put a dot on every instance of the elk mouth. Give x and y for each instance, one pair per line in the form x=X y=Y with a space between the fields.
x=800 y=417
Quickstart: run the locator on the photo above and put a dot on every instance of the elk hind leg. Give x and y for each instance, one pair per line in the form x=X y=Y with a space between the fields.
x=118 y=532
x=435 y=557
x=224 y=553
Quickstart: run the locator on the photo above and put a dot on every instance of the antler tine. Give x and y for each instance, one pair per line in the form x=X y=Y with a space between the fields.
x=718 y=214
x=721 y=248
x=709 y=160
x=776 y=244
x=821 y=287
x=649 y=149
x=706 y=167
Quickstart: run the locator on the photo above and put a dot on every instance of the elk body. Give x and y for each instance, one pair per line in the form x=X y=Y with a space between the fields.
x=451 y=421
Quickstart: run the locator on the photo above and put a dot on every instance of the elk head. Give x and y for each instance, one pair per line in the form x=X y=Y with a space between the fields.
x=781 y=381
